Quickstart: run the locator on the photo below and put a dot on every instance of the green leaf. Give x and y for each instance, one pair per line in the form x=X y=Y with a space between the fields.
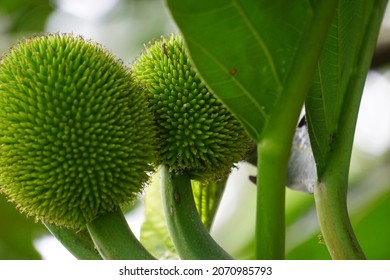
x=244 y=50
x=154 y=231
x=338 y=66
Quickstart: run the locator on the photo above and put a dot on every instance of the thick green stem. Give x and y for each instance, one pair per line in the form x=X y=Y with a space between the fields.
x=334 y=221
x=274 y=147
x=270 y=235
x=192 y=240
x=115 y=240
x=79 y=244
x=331 y=192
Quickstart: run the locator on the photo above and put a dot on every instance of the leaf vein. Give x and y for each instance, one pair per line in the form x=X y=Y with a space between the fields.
x=260 y=41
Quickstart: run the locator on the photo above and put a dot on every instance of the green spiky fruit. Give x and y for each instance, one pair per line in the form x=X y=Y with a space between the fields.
x=197 y=133
x=76 y=137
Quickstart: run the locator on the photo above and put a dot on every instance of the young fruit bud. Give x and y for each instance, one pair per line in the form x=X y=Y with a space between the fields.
x=76 y=136
x=197 y=133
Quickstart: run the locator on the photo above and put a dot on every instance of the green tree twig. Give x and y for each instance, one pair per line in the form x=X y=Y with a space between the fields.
x=115 y=240
x=191 y=238
x=79 y=244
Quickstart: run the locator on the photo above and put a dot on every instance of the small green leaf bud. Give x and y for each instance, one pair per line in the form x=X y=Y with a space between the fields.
x=196 y=132
x=76 y=135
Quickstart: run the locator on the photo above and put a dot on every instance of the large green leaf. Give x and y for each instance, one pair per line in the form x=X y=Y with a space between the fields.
x=244 y=50
x=342 y=66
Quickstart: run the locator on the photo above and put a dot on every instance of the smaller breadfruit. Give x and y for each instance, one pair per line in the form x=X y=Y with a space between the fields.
x=197 y=134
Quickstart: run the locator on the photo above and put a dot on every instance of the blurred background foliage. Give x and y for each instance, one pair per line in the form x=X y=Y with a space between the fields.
x=124 y=27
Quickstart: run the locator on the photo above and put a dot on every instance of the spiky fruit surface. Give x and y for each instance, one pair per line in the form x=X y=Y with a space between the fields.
x=197 y=133
x=76 y=137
